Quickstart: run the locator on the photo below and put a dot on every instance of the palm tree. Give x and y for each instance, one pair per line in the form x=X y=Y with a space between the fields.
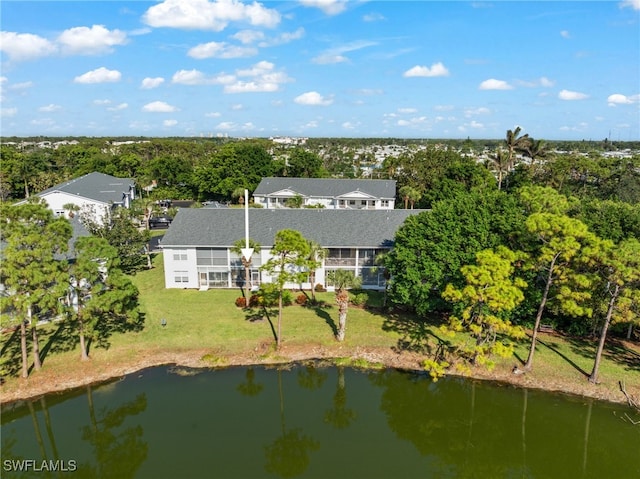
x=316 y=255
x=237 y=248
x=536 y=149
x=515 y=143
x=500 y=161
x=343 y=280
x=410 y=195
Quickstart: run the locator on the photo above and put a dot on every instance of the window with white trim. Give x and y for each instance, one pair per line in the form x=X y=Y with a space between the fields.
x=181 y=276
x=179 y=256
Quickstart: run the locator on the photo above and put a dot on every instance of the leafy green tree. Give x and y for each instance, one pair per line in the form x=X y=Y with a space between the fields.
x=544 y=199
x=340 y=416
x=237 y=248
x=234 y=165
x=613 y=220
x=515 y=144
x=561 y=245
x=620 y=273
x=294 y=202
x=95 y=260
x=304 y=164
x=343 y=280
x=288 y=265
x=430 y=247
x=31 y=272
x=482 y=305
x=121 y=233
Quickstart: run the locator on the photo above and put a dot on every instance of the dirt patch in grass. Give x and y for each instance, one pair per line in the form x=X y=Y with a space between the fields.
x=114 y=365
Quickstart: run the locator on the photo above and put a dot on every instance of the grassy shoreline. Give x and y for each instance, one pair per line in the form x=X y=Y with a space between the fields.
x=206 y=329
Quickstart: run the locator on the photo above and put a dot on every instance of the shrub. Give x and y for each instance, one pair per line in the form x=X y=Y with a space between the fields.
x=301 y=299
x=241 y=302
x=319 y=288
x=359 y=299
x=287 y=297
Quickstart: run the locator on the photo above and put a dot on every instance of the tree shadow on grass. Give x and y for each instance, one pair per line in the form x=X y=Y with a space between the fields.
x=614 y=350
x=416 y=334
x=254 y=315
x=64 y=338
x=11 y=354
x=321 y=311
x=554 y=347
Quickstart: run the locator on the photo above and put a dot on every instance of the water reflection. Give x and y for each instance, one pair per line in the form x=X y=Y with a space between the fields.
x=318 y=422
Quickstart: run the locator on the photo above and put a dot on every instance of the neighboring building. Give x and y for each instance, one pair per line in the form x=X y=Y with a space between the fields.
x=197 y=244
x=327 y=192
x=96 y=194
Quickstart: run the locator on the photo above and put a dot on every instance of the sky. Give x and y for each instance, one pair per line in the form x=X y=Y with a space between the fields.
x=321 y=68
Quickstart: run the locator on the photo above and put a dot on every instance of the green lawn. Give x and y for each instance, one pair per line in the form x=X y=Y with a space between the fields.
x=209 y=324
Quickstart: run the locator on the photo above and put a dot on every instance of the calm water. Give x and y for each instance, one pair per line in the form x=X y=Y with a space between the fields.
x=317 y=423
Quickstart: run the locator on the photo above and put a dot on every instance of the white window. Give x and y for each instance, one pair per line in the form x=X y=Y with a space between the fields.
x=179 y=256
x=181 y=276
x=384 y=203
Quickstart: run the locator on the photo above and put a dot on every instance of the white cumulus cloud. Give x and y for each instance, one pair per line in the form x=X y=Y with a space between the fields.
x=170 y=122
x=330 y=7
x=313 y=98
x=619 y=99
x=99 y=75
x=209 y=15
x=121 y=106
x=493 y=84
x=149 y=83
x=571 y=95
x=90 y=41
x=263 y=78
x=159 y=107
x=634 y=4
x=221 y=50
x=25 y=46
x=436 y=70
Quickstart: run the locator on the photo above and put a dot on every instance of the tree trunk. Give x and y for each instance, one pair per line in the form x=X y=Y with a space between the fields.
x=342 y=298
x=543 y=303
x=279 y=320
x=49 y=428
x=23 y=346
x=83 y=347
x=630 y=331
x=37 y=364
x=593 y=378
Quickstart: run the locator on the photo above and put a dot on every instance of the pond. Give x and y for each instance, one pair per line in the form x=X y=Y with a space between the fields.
x=310 y=421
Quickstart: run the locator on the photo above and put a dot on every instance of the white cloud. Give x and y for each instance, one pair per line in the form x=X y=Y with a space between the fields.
x=571 y=95
x=264 y=78
x=121 y=106
x=493 y=84
x=330 y=7
x=190 y=77
x=347 y=125
x=102 y=102
x=634 y=4
x=284 y=37
x=373 y=17
x=328 y=59
x=8 y=112
x=418 y=120
x=149 y=83
x=565 y=34
x=22 y=85
x=540 y=82
x=220 y=50
x=619 y=99
x=159 y=107
x=99 y=75
x=213 y=114
x=248 y=36
x=436 y=70
x=90 y=41
x=49 y=108
x=469 y=112
x=335 y=55
x=226 y=125
x=313 y=98
x=407 y=110
x=25 y=46
x=209 y=15
x=170 y=122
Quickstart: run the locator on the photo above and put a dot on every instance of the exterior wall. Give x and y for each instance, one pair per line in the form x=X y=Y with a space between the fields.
x=56 y=201
x=345 y=202
x=183 y=271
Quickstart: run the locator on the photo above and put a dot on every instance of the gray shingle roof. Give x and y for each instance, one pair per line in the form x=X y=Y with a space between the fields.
x=95 y=186
x=214 y=227
x=327 y=187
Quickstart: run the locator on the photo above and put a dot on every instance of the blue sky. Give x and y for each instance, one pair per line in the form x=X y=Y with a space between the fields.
x=321 y=68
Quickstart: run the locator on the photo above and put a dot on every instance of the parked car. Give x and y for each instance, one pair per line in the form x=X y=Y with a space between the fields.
x=214 y=204
x=160 y=221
